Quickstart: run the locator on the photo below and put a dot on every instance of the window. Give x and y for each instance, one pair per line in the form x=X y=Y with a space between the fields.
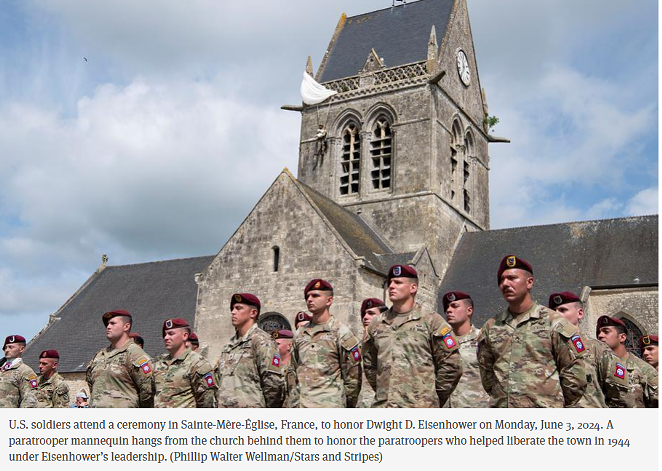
x=466 y=172
x=467 y=201
x=381 y=147
x=350 y=159
x=276 y=251
x=633 y=336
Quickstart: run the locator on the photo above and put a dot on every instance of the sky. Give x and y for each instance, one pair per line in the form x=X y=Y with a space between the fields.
x=148 y=130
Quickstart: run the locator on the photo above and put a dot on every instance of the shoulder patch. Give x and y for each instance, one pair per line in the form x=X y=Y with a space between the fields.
x=619 y=371
x=32 y=379
x=356 y=353
x=349 y=341
x=209 y=379
x=568 y=330
x=578 y=343
x=143 y=363
x=445 y=330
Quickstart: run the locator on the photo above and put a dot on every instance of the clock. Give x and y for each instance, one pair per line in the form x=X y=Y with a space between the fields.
x=463 y=67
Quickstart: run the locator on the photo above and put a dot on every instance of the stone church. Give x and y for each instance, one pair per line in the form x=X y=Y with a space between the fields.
x=393 y=168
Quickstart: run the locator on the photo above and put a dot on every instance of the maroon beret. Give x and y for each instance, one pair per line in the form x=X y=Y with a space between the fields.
x=301 y=317
x=453 y=296
x=49 y=354
x=606 y=321
x=401 y=271
x=137 y=338
x=558 y=299
x=282 y=334
x=193 y=338
x=14 y=339
x=647 y=340
x=512 y=261
x=317 y=284
x=175 y=323
x=369 y=304
x=245 y=298
x=110 y=314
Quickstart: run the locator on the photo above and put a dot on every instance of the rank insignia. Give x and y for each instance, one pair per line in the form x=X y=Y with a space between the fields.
x=511 y=261
x=317 y=285
x=646 y=340
x=619 y=372
x=356 y=354
x=449 y=341
x=577 y=342
x=276 y=360
x=209 y=379
x=397 y=271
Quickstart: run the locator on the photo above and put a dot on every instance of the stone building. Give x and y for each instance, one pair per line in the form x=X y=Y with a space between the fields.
x=394 y=168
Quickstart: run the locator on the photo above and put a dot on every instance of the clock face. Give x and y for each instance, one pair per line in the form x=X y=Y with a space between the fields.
x=463 y=67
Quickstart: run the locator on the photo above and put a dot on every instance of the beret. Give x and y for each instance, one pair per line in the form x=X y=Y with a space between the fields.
x=606 y=321
x=14 y=339
x=301 y=317
x=110 y=314
x=512 y=261
x=369 y=304
x=137 y=338
x=193 y=338
x=453 y=296
x=245 y=298
x=565 y=297
x=282 y=334
x=647 y=340
x=49 y=354
x=401 y=271
x=317 y=284
x=175 y=323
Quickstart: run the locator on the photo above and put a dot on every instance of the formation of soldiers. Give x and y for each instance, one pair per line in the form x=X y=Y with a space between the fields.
x=528 y=355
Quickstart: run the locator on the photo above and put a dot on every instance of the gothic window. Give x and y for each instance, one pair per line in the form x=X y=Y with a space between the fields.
x=276 y=251
x=381 y=148
x=350 y=159
x=633 y=336
x=467 y=201
x=466 y=170
x=455 y=154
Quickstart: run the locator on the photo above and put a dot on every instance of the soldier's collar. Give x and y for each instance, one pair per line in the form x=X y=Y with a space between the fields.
x=413 y=314
x=244 y=337
x=327 y=326
x=532 y=313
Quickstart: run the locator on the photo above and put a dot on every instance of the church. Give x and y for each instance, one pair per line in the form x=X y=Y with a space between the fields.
x=393 y=168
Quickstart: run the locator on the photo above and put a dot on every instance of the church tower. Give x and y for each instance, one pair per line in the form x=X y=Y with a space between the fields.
x=403 y=143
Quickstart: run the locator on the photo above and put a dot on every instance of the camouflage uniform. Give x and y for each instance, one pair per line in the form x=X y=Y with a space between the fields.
x=367 y=394
x=328 y=359
x=469 y=391
x=603 y=387
x=532 y=359
x=291 y=396
x=249 y=371
x=185 y=381
x=18 y=384
x=411 y=359
x=643 y=382
x=121 y=378
x=52 y=392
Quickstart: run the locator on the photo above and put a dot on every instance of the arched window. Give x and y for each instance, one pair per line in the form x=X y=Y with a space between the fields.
x=350 y=159
x=455 y=155
x=468 y=156
x=633 y=335
x=276 y=251
x=381 y=149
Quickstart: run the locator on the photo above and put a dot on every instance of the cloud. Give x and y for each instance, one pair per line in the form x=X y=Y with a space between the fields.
x=643 y=203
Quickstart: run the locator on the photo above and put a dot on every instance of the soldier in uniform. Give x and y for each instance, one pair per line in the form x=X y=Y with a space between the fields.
x=327 y=354
x=529 y=355
x=121 y=374
x=604 y=388
x=138 y=340
x=18 y=382
x=249 y=370
x=642 y=378
x=412 y=358
x=469 y=392
x=301 y=319
x=648 y=346
x=193 y=342
x=182 y=377
x=53 y=391
x=370 y=308
x=284 y=338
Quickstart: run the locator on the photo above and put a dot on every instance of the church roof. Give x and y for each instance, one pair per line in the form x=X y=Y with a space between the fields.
x=151 y=292
x=398 y=34
x=565 y=257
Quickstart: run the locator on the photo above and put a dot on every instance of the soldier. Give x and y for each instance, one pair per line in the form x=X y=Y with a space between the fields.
x=249 y=369
x=284 y=338
x=53 y=391
x=18 y=383
x=603 y=387
x=412 y=358
x=121 y=374
x=182 y=377
x=370 y=308
x=469 y=392
x=81 y=401
x=529 y=355
x=138 y=340
x=327 y=354
x=301 y=319
x=648 y=347
x=643 y=381
x=193 y=342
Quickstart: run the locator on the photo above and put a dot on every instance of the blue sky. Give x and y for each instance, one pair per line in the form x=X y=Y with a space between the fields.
x=136 y=152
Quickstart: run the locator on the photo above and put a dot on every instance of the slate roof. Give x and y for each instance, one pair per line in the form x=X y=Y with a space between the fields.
x=363 y=241
x=398 y=34
x=565 y=257
x=150 y=291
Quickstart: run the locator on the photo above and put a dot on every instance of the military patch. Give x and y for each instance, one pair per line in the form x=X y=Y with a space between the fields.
x=445 y=330
x=356 y=353
x=511 y=261
x=451 y=297
x=143 y=363
x=397 y=271
x=449 y=341
x=11 y=339
x=168 y=324
x=578 y=343
x=146 y=368
x=619 y=372
x=209 y=379
x=317 y=285
x=646 y=340
x=237 y=297
x=33 y=381
x=558 y=299
x=275 y=361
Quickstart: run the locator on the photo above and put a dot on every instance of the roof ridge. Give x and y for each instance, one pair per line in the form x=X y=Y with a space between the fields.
x=388 y=8
x=566 y=222
x=159 y=261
